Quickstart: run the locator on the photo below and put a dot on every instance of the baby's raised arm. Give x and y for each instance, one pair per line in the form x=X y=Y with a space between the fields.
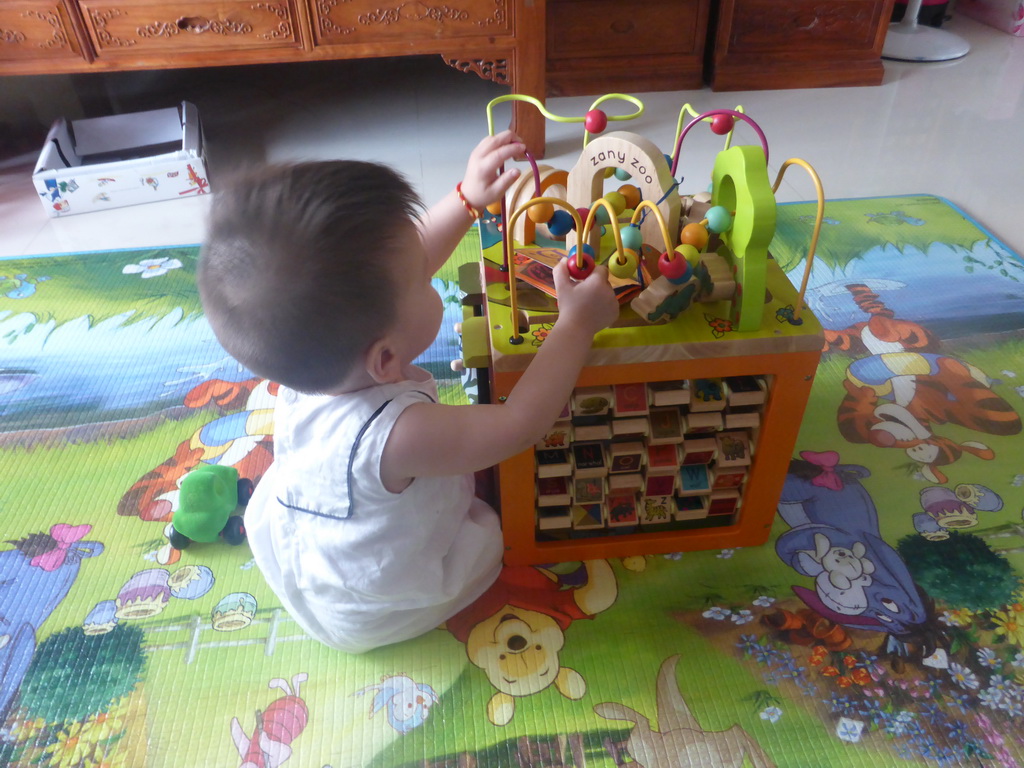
x=430 y=440
x=446 y=222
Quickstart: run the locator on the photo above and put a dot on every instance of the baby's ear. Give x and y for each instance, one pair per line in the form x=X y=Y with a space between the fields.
x=383 y=365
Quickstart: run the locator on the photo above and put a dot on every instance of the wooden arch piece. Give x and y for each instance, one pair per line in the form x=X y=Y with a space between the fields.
x=521 y=191
x=649 y=171
x=740 y=183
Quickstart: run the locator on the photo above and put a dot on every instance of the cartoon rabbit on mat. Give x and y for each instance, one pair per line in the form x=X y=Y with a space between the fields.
x=680 y=740
x=277 y=727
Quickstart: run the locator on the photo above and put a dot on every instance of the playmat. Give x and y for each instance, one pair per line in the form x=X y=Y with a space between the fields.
x=882 y=624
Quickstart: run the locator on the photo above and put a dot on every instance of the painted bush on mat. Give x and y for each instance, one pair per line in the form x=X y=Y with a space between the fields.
x=961 y=571
x=74 y=675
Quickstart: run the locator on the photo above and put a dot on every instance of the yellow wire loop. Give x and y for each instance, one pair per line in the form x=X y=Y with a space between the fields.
x=512 y=291
x=819 y=215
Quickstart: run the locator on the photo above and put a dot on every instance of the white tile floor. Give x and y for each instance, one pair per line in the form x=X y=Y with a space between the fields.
x=954 y=129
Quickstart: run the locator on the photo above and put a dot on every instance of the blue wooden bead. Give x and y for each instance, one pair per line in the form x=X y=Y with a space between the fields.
x=560 y=224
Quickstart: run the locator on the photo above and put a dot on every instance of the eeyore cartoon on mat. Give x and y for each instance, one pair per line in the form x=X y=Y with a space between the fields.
x=860 y=581
x=35 y=577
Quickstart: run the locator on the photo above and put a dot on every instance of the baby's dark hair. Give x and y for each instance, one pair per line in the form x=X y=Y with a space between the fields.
x=297 y=274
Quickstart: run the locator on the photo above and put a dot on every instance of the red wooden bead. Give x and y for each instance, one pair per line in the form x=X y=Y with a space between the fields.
x=722 y=124
x=674 y=267
x=595 y=121
x=577 y=272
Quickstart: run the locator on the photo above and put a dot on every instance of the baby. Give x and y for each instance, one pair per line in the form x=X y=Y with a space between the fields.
x=317 y=276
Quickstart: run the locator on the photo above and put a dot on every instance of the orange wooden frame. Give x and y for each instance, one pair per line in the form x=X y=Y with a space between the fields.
x=792 y=375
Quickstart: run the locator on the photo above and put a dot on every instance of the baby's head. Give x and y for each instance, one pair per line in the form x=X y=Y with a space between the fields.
x=302 y=265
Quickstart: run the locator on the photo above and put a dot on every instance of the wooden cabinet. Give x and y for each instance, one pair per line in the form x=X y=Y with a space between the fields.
x=798 y=44
x=34 y=30
x=603 y=46
x=498 y=40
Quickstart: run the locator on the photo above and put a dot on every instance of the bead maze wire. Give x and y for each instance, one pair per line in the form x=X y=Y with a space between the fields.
x=818 y=218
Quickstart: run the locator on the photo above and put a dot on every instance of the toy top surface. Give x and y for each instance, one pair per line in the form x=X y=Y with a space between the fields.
x=703 y=330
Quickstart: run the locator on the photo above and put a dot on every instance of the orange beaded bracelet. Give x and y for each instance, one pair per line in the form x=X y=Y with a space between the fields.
x=472 y=211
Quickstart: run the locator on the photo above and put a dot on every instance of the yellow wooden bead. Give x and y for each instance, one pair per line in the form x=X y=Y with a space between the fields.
x=617 y=201
x=623 y=266
x=688 y=252
x=494 y=208
x=541 y=212
x=695 y=235
x=631 y=193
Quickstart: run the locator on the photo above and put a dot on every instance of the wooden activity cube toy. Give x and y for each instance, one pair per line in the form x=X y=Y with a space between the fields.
x=679 y=432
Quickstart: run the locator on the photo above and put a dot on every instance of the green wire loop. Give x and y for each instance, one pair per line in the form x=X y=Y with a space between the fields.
x=558 y=118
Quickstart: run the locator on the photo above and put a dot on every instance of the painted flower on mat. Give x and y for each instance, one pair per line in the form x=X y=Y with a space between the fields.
x=70 y=749
x=771 y=714
x=1010 y=625
x=717 y=612
x=962 y=676
x=151 y=267
x=988 y=658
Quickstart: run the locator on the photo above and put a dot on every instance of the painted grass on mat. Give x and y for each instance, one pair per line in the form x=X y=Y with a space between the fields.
x=66 y=288
x=897 y=221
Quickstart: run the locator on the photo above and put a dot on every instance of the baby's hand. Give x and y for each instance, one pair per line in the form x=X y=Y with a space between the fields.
x=590 y=303
x=482 y=184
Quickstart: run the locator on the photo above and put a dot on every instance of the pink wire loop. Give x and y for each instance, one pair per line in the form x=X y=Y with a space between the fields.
x=713 y=113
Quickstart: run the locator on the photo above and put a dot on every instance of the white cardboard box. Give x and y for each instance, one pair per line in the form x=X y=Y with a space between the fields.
x=110 y=162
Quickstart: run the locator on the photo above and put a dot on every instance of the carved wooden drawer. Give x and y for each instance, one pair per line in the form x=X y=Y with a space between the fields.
x=348 y=22
x=136 y=27
x=799 y=44
x=37 y=29
x=598 y=46
x=597 y=29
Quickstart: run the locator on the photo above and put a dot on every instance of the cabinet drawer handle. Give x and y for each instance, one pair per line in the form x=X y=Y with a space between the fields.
x=195 y=24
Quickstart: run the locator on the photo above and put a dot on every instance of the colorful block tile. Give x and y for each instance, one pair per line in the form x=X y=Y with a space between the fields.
x=630 y=400
x=553 y=518
x=707 y=395
x=668 y=392
x=660 y=485
x=662 y=459
x=588 y=460
x=626 y=457
x=622 y=510
x=699 y=450
x=553 y=463
x=588 y=490
x=733 y=448
x=591 y=401
x=745 y=390
x=666 y=426
x=657 y=510
x=587 y=516
x=694 y=479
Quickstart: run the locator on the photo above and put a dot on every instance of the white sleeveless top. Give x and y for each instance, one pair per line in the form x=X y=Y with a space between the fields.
x=354 y=564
